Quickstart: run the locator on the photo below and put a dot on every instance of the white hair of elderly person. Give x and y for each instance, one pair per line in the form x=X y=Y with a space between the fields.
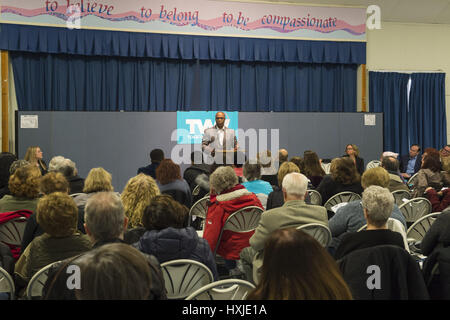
x=294 y=186
x=55 y=163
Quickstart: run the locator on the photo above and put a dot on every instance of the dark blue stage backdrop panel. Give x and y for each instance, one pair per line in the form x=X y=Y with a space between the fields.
x=120 y=141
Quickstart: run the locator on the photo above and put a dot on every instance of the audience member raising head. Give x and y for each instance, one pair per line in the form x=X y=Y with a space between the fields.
x=34 y=157
x=136 y=196
x=312 y=168
x=57 y=214
x=24 y=188
x=168 y=238
x=377 y=203
x=297 y=267
x=168 y=176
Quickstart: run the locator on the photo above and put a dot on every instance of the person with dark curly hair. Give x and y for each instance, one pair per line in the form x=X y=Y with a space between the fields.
x=430 y=174
x=169 y=180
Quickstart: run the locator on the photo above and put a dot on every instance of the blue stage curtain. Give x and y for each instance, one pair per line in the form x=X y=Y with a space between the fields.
x=428 y=125
x=388 y=93
x=39 y=39
x=83 y=83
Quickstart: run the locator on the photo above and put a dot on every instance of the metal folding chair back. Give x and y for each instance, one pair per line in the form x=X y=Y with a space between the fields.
x=415 y=208
x=7 y=283
x=182 y=277
x=243 y=220
x=228 y=289
x=418 y=229
x=199 y=209
x=316 y=197
x=318 y=231
x=373 y=164
x=37 y=282
x=346 y=196
x=399 y=195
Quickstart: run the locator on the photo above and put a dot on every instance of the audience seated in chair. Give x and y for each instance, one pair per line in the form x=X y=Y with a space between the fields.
x=253 y=183
x=136 y=196
x=105 y=223
x=156 y=156
x=343 y=177
x=167 y=237
x=313 y=169
x=297 y=267
x=198 y=174
x=275 y=198
x=51 y=182
x=440 y=200
x=34 y=156
x=134 y=277
x=97 y=180
x=68 y=168
x=391 y=165
x=24 y=187
x=377 y=203
x=352 y=152
x=57 y=214
x=410 y=163
x=6 y=159
x=430 y=174
x=294 y=213
x=169 y=180
x=350 y=218
x=226 y=197
x=438 y=236
x=383 y=272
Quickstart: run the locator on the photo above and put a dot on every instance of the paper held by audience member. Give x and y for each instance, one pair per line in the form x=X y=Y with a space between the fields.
x=339 y=205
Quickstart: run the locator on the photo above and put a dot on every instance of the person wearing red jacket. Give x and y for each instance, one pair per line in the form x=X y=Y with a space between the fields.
x=439 y=200
x=227 y=196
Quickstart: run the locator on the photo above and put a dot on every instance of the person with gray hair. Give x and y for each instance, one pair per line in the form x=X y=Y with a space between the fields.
x=294 y=213
x=226 y=197
x=262 y=189
x=68 y=168
x=396 y=181
x=377 y=203
x=104 y=218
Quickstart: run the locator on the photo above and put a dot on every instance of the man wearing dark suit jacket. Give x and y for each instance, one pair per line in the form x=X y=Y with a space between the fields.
x=219 y=138
x=411 y=163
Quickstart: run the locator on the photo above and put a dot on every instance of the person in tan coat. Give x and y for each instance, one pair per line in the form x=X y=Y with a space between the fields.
x=294 y=213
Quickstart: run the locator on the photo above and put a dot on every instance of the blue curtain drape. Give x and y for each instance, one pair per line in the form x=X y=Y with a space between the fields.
x=388 y=93
x=47 y=82
x=428 y=125
x=39 y=39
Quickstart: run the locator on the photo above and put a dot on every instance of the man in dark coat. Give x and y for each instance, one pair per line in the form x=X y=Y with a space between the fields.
x=156 y=156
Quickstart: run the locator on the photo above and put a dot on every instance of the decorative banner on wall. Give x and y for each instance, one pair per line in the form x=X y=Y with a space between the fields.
x=192 y=124
x=194 y=17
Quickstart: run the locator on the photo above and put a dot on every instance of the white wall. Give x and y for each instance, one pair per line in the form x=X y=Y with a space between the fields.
x=411 y=47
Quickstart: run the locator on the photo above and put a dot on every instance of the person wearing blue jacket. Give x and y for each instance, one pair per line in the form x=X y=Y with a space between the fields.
x=167 y=237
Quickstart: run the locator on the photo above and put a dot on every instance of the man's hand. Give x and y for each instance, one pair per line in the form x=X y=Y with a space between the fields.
x=405 y=175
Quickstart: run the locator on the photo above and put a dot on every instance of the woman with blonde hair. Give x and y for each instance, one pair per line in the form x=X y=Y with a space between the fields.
x=98 y=180
x=352 y=152
x=34 y=156
x=297 y=267
x=275 y=198
x=136 y=196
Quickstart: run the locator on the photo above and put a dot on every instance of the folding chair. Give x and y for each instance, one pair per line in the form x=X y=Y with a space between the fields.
x=316 y=197
x=184 y=276
x=399 y=195
x=414 y=209
x=37 y=282
x=199 y=210
x=346 y=196
x=416 y=232
x=373 y=164
x=243 y=220
x=318 y=231
x=7 y=283
x=412 y=180
x=228 y=289
x=11 y=232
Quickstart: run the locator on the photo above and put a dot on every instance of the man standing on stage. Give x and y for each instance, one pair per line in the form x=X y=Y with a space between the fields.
x=219 y=138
